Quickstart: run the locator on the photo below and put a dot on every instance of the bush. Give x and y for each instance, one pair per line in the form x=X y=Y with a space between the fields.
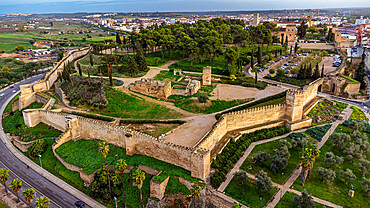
x=233 y=151
x=248 y=105
x=318 y=132
x=38 y=147
x=202 y=98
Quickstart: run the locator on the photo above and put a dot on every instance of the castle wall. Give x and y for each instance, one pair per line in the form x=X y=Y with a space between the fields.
x=352 y=88
x=54 y=119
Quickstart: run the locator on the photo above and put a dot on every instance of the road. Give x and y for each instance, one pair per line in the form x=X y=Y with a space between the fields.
x=30 y=178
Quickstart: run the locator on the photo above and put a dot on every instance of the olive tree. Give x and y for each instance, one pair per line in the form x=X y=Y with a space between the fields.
x=347 y=175
x=326 y=174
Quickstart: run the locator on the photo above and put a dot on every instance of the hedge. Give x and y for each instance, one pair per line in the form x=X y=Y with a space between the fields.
x=348 y=123
x=150 y=121
x=88 y=115
x=234 y=149
x=318 y=132
x=248 y=105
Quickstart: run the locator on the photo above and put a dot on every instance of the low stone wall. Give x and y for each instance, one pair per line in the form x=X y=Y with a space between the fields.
x=157 y=189
x=15 y=104
x=88 y=178
x=23 y=146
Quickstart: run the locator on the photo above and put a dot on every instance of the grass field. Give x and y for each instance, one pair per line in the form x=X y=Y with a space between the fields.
x=2 y=205
x=358 y=114
x=14 y=124
x=247 y=193
x=218 y=65
x=336 y=191
x=84 y=153
x=122 y=105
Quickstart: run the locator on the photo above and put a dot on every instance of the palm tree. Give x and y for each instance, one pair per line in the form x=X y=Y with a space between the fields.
x=195 y=190
x=16 y=186
x=120 y=168
x=139 y=177
x=29 y=195
x=104 y=150
x=4 y=177
x=42 y=202
x=307 y=159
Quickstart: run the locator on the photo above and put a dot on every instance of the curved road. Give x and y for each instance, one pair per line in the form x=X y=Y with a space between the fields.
x=30 y=178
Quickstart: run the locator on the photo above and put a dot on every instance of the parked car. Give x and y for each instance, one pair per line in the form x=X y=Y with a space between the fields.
x=79 y=204
x=2 y=94
x=11 y=86
x=285 y=64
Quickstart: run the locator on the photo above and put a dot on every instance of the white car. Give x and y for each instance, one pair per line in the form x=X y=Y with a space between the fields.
x=14 y=91
x=2 y=94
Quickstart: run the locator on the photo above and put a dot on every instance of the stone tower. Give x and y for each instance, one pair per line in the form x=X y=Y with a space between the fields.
x=294 y=102
x=309 y=21
x=256 y=19
x=206 y=77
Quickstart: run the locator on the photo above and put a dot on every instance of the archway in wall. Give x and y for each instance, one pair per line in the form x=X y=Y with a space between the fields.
x=333 y=88
x=319 y=88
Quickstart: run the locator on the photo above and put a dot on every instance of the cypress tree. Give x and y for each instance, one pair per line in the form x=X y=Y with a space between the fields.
x=132 y=66
x=259 y=55
x=118 y=39
x=252 y=61
x=110 y=75
x=140 y=58
x=296 y=47
x=91 y=60
x=316 y=74
x=322 y=71
x=79 y=69
x=281 y=51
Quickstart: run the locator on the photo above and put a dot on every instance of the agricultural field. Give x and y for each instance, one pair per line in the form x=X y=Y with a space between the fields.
x=336 y=190
x=325 y=112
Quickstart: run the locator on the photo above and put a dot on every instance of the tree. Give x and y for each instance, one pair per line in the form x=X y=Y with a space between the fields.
x=79 y=68
x=299 y=142
x=259 y=55
x=202 y=98
x=60 y=55
x=296 y=47
x=280 y=72
x=241 y=177
x=140 y=58
x=302 y=29
x=331 y=159
x=42 y=202
x=118 y=39
x=278 y=163
x=366 y=185
x=261 y=157
x=363 y=165
x=316 y=73
x=231 y=55
x=347 y=175
x=322 y=71
x=110 y=72
x=308 y=156
x=252 y=60
x=237 y=206
x=120 y=168
x=272 y=71
x=195 y=190
x=132 y=67
x=340 y=139
x=139 y=178
x=304 y=200
x=284 y=142
x=104 y=150
x=283 y=152
x=20 y=48
x=326 y=174
x=4 y=177
x=91 y=60
x=16 y=186
x=263 y=182
x=29 y=195
x=312 y=29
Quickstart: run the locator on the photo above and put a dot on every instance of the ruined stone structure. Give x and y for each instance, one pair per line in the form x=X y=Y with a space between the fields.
x=256 y=19
x=289 y=31
x=309 y=21
x=207 y=75
x=339 y=85
x=159 y=89
x=192 y=87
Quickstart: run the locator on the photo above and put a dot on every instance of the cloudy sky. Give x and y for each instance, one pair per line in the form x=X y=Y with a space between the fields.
x=52 y=6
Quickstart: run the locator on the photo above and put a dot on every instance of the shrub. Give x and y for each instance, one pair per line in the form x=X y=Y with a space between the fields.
x=202 y=98
x=318 y=132
x=38 y=147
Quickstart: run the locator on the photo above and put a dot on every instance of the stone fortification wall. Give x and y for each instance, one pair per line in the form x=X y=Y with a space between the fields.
x=196 y=161
x=28 y=91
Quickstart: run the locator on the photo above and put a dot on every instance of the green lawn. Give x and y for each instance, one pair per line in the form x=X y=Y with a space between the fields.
x=269 y=147
x=14 y=124
x=2 y=205
x=358 y=114
x=153 y=61
x=84 y=153
x=324 y=112
x=123 y=105
x=247 y=194
x=218 y=65
x=336 y=191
